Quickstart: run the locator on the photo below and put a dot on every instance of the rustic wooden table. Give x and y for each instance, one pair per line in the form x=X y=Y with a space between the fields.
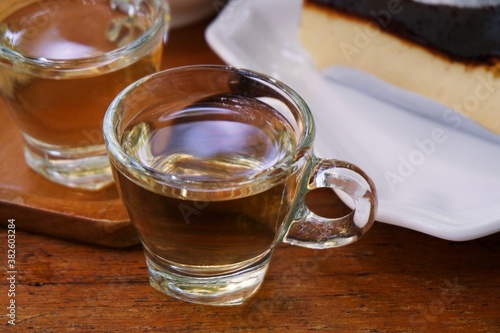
x=393 y=280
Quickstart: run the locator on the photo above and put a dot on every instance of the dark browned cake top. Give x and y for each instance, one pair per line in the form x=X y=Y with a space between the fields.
x=462 y=33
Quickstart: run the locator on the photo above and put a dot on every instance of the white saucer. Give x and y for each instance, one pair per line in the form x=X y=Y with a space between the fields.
x=439 y=178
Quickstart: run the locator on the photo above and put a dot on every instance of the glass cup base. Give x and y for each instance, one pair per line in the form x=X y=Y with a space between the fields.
x=230 y=289
x=80 y=168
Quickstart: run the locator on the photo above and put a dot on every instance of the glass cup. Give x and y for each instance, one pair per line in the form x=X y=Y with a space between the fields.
x=62 y=62
x=213 y=164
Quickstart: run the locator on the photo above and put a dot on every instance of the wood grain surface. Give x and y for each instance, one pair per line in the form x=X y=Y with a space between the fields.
x=392 y=280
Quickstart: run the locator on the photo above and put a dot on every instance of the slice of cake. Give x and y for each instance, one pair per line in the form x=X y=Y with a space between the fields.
x=446 y=50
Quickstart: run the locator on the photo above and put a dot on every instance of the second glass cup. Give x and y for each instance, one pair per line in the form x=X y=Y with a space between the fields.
x=213 y=164
x=61 y=65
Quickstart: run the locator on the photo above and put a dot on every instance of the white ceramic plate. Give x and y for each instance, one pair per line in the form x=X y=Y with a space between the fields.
x=441 y=178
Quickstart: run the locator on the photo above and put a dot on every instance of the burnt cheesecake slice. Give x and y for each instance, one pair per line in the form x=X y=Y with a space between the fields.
x=446 y=50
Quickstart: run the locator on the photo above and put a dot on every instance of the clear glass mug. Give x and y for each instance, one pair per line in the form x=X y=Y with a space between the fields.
x=61 y=64
x=213 y=164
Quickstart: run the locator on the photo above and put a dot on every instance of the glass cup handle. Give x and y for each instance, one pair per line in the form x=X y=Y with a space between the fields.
x=313 y=231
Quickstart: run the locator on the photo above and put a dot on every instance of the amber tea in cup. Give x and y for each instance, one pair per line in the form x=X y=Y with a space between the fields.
x=213 y=164
x=61 y=64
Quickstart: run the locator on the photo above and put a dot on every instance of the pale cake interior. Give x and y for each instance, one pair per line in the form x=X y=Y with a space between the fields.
x=334 y=38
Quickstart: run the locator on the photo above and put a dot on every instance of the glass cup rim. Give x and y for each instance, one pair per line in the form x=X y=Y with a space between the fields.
x=12 y=58
x=113 y=116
